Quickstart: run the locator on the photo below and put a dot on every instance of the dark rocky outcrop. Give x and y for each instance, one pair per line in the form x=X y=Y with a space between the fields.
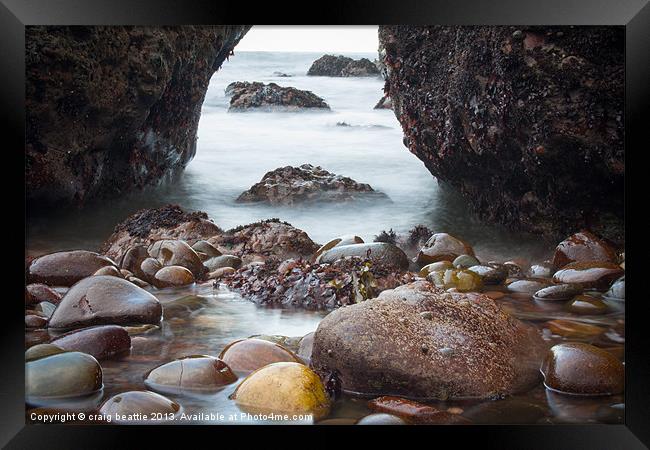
x=527 y=122
x=115 y=103
x=271 y=97
x=307 y=183
x=342 y=66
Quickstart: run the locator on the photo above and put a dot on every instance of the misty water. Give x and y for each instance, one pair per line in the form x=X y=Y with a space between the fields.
x=234 y=151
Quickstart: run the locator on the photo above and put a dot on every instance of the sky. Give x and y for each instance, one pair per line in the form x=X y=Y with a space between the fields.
x=312 y=38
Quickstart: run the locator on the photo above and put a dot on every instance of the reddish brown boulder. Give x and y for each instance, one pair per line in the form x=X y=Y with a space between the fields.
x=594 y=274
x=420 y=341
x=443 y=247
x=583 y=247
x=414 y=412
x=37 y=292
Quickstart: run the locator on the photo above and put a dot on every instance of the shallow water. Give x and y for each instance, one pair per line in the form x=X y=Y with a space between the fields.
x=234 y=151
x=207 y=319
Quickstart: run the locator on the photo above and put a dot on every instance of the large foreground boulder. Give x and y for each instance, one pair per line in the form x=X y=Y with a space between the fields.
x=66 y=268
x=526 y=122
x=271 y=97
x=115 y=103
x=303 y=184
x=419 y=341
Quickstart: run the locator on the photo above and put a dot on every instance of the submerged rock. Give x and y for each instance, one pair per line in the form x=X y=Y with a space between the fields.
x=466 y=347
x=558 y=292
x=103 y=300
x=65 y=268
x=101 y=342
x=250 y=354
x=578 y=368
x=342 y=66
x=272 y=97
x=595 y=274
x=381 y=419
x=583 y=247
x=307 y=183
x=190 y=374
x=283 y=388
x=147 y=226
x=414 y=412
x=445 y=83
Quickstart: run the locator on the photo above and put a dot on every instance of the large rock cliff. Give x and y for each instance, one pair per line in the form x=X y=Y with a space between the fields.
x=113 y=108
x=527 y=122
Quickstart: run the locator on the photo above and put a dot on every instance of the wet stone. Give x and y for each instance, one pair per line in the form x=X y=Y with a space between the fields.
x=443 y=247
x=38 y=292
x=578 y=368
x=102 y=342
x=617 y=290
x=435 y=267
x=596 y=275
x=32 y=321
x=414 y=412
x=46 y=308
x=42 y=350
x=506 y=411
x=558 y=292
x=586 y=304
x=65 y=268
x=583 y=247
x=541 y=271
x=527 y=286
x=465 y=262
x=222 y=261
x=134 y=403
x=170 y=276
x=341 y=240
x=190 y=374
x=109 y=271
x=149 y=267
x=573 y=329
x=132 y=260
x=461 y=280
x=283 y=388
x=68 y=374
x=138 y=282
x=177 y=253
x=305 y=346
x=381 y=419
x=206 y=248
x=250 y=354
x=382 y=253
x=490 y=274
x=103 y=300
x=220 y=273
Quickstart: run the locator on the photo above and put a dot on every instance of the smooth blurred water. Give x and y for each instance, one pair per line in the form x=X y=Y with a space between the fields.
x=235 y=150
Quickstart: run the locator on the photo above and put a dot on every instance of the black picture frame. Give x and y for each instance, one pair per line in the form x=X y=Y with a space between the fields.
x=634 y=15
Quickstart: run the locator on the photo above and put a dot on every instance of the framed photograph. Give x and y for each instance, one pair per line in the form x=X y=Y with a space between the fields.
x=410 y=215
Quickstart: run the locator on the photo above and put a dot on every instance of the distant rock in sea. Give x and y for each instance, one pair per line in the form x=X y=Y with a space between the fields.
x=307 y=183
x=271 y=97
x=342 y=66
